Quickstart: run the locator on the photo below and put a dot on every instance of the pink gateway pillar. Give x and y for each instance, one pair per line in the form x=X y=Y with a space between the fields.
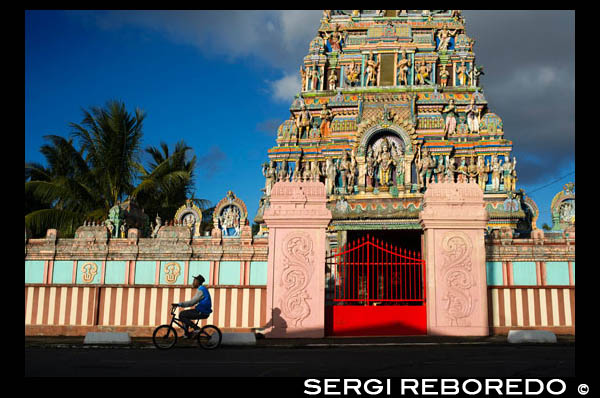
x=454 y=220
x=297 y=220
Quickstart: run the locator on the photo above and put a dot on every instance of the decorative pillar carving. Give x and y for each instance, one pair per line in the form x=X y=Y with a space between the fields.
x=454 y=220
x=297 y=220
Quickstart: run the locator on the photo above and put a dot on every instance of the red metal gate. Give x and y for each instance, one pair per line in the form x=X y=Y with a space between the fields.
x=375 y=289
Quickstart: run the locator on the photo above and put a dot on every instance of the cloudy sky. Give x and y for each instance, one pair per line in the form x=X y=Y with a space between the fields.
x=224 y=80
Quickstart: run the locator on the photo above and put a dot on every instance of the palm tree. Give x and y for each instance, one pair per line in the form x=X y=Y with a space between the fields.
x=63 y=193
x=85 y=183
x=168 y=181
x=111 y=139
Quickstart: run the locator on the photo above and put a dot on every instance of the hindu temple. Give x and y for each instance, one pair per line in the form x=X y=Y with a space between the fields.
x=390 y=197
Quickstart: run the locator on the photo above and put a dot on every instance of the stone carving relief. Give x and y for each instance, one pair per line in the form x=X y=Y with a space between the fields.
x=295 y=277
x=457 y=278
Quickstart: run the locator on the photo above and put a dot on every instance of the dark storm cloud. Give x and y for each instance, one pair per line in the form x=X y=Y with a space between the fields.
x=529 y=64
x=528 y=59
x=269 y=127
x=212 y=162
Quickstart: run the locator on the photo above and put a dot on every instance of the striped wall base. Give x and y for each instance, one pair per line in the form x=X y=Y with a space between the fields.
x=549 y=308
x=75 y=310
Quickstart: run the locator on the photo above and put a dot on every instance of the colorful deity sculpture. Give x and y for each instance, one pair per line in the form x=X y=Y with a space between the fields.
x=270 y=173
x=444 y=74
x=371 y=164
x=425 y=167
x=330 y=175
x=371 y=71
x=303 y=121
x=352 y=75
x=473 y=116
x=444 y=35
x=450 y=124
x=402 y=69
x=462 y=74
x=423 y=71
x=385 y=163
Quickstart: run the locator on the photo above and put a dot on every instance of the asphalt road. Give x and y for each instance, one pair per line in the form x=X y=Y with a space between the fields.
x=500 y=361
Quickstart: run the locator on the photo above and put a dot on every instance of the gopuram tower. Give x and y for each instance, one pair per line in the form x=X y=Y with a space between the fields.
x=390 y=102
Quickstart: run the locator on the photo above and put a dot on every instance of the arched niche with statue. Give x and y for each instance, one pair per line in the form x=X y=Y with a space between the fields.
x=190 y=215
x=230 y=217
x=401 y=145
x=563 y=208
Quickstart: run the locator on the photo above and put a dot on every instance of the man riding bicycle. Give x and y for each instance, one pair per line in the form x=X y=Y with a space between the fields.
x=201 y=311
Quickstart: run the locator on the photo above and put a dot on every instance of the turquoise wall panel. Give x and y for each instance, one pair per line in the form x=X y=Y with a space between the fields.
x=199 y=268
x=258 y=273
x=115 y=272
x=557 y=273
x=494 y=273
x=524 y=273
x=91 y=269
x=175 y=270
x=63 y=272
x=34 y=271
x=229 y=273
x=145 y=272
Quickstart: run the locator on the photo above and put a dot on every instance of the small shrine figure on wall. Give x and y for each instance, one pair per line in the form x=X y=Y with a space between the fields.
x=473 y=116
x=496 y=173
x=332 y=81
x=402 y=69
x=156 y=226
x=371 y=165
x=371 y=70
x=450 y=168
x=425 y=167
x=462 y=171
x=326 y=117
x=399 y=161
x=335 y=39
x=345 y=171
x=482 y=171
x=444 y=74
x=475 y=72
x=423 y=71
x=303 y=120
x=462 y=74
x=270 y=173
x=330 y=174
x=315 y=173
x=450 y=124
x=229 y=221
x=315 y=76
x=352 y=75
x=385 y=163
x=444 y=35
x=472 y=170
x=303 y=77
x=282 y=174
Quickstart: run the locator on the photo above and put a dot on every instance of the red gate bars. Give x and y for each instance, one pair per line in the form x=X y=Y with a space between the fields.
x=368 y=271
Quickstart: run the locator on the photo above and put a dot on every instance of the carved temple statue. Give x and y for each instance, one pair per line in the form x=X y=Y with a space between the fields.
x=385 y=163
x=450 y=124
x=402 y=69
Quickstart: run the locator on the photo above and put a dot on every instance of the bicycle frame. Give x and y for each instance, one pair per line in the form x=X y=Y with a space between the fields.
x=178 y=321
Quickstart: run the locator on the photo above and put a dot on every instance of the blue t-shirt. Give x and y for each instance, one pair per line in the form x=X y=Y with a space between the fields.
x=205 y=305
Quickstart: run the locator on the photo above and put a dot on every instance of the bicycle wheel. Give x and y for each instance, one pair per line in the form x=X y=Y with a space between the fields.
x=164 y=337
x=210 y=337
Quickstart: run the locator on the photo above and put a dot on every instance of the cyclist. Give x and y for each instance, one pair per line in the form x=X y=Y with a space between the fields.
x=203 y=308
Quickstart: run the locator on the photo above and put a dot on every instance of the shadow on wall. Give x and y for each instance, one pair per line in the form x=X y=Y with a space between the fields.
x=278 y=328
